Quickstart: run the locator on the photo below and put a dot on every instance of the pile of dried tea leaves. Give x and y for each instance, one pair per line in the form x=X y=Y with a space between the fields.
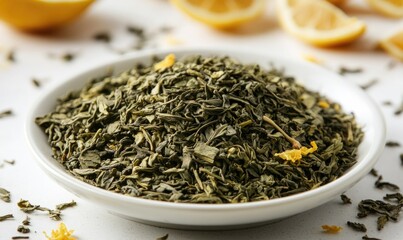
x=193 y=131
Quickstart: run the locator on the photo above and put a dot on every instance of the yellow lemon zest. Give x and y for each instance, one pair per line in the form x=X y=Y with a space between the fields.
x=296 y=154
x=167 y=62
x=323 y=104
x=331 y=228
x=62 y=233
x=311 y=58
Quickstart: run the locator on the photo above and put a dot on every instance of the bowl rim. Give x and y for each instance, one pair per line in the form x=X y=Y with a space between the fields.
x=354 y=174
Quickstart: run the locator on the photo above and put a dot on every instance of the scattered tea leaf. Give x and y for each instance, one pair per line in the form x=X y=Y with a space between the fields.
x=401 y=158
x=11 y=162
x=26 y=221
x=385 y=211
x=399 y=109
x=63 y=206
x=68 y=57
x=6 y=113
x=365 y=237
x=5 y=217
x=357 y=226
x=102 y=37
x=23 y=229
x=166 y=29
x=379 y=184
x=391 y=65
x=345 y=199
x=36 y=82
x=387 y=103
x=398 y=197
x=374 y=172
x=392 y=144
x=27 y=207
x=369 y=84
x=345 y=70
x=137 y=31
x=331 y=228
x=165 y=237
x=20 y=237
x=4 y=195
x=11 y=56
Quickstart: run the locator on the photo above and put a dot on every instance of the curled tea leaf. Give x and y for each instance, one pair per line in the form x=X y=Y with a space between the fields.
x=4 y=195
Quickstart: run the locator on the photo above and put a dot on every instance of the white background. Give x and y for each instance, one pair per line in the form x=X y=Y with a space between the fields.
x=34 y=59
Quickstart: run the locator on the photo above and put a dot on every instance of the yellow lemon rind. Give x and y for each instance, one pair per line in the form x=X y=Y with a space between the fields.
x=221 y=21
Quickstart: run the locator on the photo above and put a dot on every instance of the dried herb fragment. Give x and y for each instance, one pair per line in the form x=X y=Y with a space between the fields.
x=4 y=195
x=63 y=206
x=27 y=207
x=369 y=84
x=23 y=229
x=374 y=172
x=68 y=57
x=165 y=237
x=102 y=37
x=137 y=31
x=20 y=237
x=392 y=144
x=399 y=110
x=391 y=65
x=345 y=70
x=365 y=237
x=398 y=197
x=387 y=103
x=36 y=82
x=345 y=199
x=401 y=158
x=385 y=211
x=5 y=217
x=26 y=221
x=331 y=228
x=379 y=184
x=357 y=226
x=11 y=56
x=11 y=162
x=6 y=113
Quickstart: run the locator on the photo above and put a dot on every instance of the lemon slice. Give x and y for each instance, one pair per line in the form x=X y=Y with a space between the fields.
x=39 y=15
x=394 y=45
x=318 y=22
x=337 y=2
x=390 y=8
x=222 y=13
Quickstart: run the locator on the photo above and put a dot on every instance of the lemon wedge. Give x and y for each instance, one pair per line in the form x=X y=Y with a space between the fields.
x=390 y=8
x=318 y=22
x=40 y=15
x=394 y=45
x=337 y=2
x=222 y=13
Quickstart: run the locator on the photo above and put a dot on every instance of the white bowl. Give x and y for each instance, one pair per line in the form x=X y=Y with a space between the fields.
x=217 y=216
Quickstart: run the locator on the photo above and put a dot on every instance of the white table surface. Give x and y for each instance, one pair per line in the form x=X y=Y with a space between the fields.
x=26 y=181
